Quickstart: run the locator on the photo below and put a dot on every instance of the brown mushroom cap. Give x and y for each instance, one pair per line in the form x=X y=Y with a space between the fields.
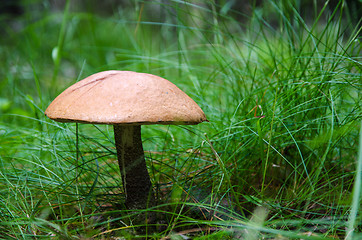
x=125 y=97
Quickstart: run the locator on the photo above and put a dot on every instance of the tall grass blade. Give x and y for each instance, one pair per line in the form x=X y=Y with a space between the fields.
x=355 y=216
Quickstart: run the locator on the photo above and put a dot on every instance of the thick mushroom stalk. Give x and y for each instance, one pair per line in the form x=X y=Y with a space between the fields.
x=136 y=181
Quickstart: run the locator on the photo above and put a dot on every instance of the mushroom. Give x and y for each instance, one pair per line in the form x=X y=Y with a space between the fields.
x=127 y=100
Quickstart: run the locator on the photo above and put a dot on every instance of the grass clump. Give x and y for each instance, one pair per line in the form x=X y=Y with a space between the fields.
x=282 y=91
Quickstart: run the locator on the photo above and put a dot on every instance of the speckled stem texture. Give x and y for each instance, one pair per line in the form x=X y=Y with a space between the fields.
x=136 y=181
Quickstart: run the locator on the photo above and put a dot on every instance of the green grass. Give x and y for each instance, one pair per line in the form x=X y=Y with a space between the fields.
x=279 y=158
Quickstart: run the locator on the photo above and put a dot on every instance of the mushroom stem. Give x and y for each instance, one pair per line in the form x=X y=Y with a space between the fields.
x=136 y=181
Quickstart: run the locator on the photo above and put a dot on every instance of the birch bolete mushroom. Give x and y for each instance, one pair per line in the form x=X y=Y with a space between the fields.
x=127 y=100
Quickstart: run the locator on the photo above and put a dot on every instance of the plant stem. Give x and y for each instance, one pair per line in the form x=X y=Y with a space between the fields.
x=59 y=48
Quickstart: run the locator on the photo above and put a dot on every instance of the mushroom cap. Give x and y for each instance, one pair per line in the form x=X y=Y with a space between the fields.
x=125 y=97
